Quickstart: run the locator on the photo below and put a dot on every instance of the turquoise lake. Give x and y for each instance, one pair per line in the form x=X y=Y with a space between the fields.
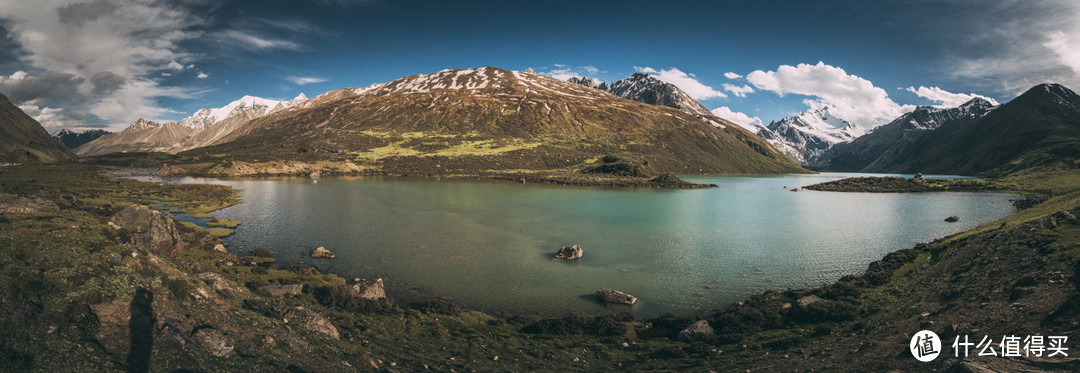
x=489 y=245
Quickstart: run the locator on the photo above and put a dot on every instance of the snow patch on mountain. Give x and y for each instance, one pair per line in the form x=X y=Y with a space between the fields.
x=804 y=137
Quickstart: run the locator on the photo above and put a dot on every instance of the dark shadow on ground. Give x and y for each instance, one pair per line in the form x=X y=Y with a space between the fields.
x=142 y=331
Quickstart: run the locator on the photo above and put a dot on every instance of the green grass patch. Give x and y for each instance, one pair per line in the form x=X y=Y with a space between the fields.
x=226 y=223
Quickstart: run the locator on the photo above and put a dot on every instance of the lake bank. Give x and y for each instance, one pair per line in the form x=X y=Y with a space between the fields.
x=679 y=251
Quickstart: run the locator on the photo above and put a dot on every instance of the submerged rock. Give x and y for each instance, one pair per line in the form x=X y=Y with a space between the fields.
x=952 y=219
x=569 y=252
x=369 y=289
x=700 y=330
x=151 y=229
x=614 y=296
x=312 y=321
x=322 y=252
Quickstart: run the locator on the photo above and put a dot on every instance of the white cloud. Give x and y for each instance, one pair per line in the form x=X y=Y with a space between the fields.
x=1067 y=48
x=732 y=75
x=741 y=119
x=737 y=90
x=847 y=96
x=174 y=66
x=946 y=99
x=112 y=50
x=249 y=41
x=301 y=80
x=686 y=82
x=564 y=72
x=202 y=75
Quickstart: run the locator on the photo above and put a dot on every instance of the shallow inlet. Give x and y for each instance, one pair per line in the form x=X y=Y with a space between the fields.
x=489 y=245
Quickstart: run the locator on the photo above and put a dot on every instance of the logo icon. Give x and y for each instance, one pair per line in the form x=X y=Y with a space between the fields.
x=925 y=346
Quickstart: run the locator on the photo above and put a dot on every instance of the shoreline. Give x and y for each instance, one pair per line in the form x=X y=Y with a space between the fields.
x=922 y=287
x=419 y=293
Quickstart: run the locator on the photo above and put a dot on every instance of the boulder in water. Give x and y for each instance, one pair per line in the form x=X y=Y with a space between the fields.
x=569 y=252
x=615 y=297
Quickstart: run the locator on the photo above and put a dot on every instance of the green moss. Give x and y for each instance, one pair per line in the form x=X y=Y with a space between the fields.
x=227 y=223
x=220 y=232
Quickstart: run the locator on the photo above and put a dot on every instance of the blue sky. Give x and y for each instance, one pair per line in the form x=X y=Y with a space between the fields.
x=105 y=63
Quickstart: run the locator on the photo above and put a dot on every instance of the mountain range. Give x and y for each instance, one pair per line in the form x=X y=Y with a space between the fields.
x=23 y=139
x=205 y=127
x=495 y=120
x=895 y=146
x=806 y=136
x=650 y=90
x=1039 y=128
x=72 y=139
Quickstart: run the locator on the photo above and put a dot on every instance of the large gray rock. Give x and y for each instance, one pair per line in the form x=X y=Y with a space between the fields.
x=322 y=252
x=214 y=342
x=216 y=280
x=290 y=338
x=312 y=321
x=281 y=291
x=614 y=296
x=698 y=331
x=369 y=289
x=569 y=252
x=14 y=204
x=150 y=229
x=806 y=301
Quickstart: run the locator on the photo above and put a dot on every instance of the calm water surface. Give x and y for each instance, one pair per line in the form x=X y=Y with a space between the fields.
x=489 y=245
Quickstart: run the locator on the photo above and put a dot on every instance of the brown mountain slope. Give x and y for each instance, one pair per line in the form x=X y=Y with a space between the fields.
x=22 y=139
x=142 y=136
x=488 y=119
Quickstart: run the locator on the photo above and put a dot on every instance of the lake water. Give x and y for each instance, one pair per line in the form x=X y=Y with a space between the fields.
x=489 y=245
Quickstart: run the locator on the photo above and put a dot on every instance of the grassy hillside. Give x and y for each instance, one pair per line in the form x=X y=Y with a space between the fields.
x=22 y=139
x=507 y=121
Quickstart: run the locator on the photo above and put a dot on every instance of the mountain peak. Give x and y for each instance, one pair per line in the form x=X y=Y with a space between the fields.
x=300 y=97
x=1050 y=93
x=650 y=90
x=142 y=125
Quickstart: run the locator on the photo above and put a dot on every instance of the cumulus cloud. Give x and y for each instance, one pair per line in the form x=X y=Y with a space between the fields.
x=36 y=89
x=847 y=96
x=175 y=66
x=732 y=75
x=202 y=75
x=686 y=82
x=737 y=90
x=564 y=72
x=98 y=59
x=301 y=80
x=946 y=99
x=741 y=119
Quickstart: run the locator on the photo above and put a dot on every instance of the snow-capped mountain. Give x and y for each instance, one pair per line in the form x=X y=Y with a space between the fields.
x=645 y=88
x=72 y=139
x=804 y=137
x=547 y=123
x=258 y=106
x=894 y=145
x=205 y=127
